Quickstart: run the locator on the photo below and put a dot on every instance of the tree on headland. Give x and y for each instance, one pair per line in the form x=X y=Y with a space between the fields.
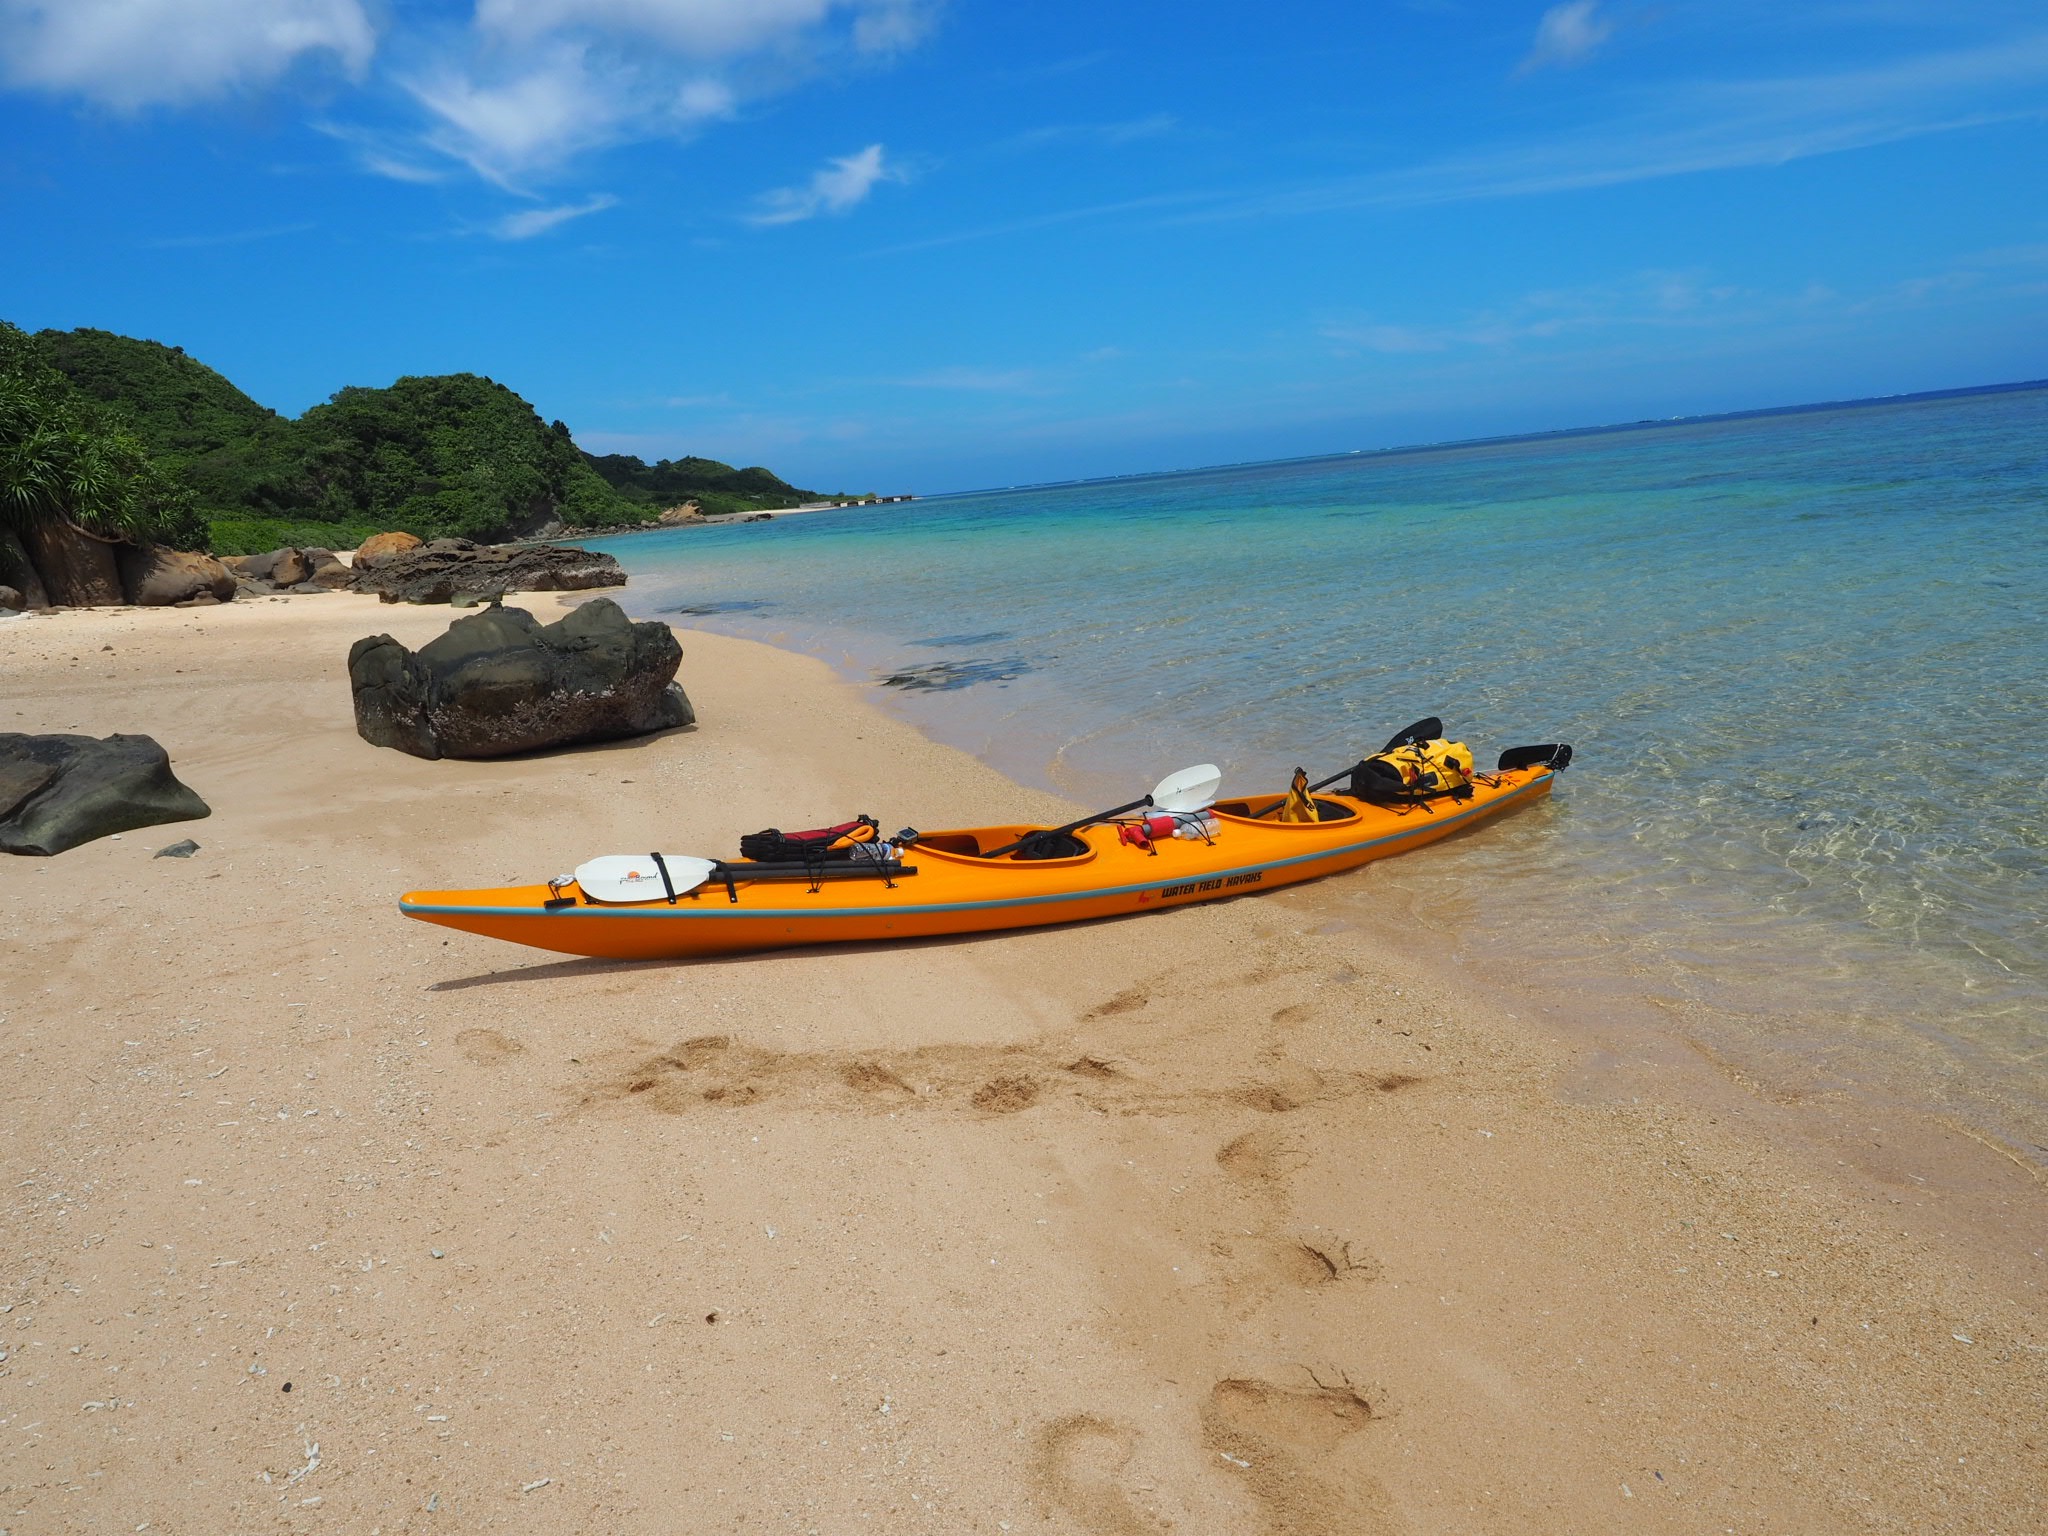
x=75 y=483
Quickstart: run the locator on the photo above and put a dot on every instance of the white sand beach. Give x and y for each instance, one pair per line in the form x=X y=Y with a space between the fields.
x=1211 y=1222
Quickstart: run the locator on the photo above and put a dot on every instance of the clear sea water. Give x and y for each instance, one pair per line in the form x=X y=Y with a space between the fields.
x=1801 y=658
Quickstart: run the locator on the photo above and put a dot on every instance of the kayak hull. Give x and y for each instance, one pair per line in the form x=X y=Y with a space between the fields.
x=953 y=893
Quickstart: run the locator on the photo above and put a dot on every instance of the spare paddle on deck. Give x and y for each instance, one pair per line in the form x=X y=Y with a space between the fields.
x=1189 y=790
x=1431 y=729
x=642 y=876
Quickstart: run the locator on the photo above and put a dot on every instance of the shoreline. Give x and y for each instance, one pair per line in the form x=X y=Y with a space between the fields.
x=1219 y=1218
x=1628 y=1045
x=1890 y=1070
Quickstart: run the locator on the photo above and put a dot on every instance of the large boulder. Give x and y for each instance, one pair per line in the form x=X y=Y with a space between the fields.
x=288 y=567
x=77 y=567
x=329 y=574
x=59 y=791
x=19 y=572
x=157 y=578
x=378 y=545
x=436 y=572
x=500 y=682
x=279 y=567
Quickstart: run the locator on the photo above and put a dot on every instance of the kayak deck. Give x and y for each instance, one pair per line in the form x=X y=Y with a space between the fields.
x=948 y=887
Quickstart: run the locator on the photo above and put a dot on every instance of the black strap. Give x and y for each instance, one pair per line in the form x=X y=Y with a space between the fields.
x=666 y=884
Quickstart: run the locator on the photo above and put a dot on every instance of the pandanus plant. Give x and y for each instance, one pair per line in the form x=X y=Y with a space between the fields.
x=74 y=484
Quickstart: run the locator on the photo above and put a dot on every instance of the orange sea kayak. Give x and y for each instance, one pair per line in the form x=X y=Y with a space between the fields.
x=947 y=883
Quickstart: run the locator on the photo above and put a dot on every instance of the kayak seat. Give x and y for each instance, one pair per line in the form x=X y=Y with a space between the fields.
x=982 y=842
x=1051 y=845
x=1326 y=810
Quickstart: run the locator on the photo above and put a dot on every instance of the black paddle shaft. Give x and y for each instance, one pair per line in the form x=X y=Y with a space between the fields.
x=1422 y=730
x=1072 y=826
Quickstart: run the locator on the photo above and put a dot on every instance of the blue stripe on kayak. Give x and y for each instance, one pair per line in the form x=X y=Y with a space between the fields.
x=729 y=911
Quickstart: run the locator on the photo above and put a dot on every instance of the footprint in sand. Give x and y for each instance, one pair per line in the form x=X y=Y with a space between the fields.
x=1302 y=1262
x=874 y=1077
x=486 y=1047
x=1259 y=1157
x=1130 y=1000
x=1079 y=1472
x=1006 y=1095
x=1288 y=1445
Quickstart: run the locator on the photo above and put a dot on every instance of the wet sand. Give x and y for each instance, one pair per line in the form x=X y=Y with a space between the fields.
x=1219 y=1221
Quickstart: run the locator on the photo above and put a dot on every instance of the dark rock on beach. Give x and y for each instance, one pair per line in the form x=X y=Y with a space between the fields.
x=436 y=572
x=500 y=682
x=59 y=791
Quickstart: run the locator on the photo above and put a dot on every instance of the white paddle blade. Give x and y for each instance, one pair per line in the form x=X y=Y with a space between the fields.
x=635 y=876
x=1189 y=790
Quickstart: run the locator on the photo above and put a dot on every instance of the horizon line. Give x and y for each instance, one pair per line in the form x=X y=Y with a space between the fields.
x=1647 y=424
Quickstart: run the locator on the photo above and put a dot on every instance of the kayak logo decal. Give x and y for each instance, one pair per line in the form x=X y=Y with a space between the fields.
x=1221 y=883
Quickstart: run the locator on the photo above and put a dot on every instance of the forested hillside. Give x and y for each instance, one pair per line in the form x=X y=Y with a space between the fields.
x=715 y=487
x=452 y=454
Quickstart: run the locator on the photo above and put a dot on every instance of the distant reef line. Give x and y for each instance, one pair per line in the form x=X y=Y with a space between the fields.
x=1506 y=439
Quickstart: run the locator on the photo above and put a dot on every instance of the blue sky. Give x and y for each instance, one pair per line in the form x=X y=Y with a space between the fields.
x=941 y=244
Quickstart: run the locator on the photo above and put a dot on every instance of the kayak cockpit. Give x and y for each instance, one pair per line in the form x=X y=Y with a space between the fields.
x=1264 y=808
x=1005 y=847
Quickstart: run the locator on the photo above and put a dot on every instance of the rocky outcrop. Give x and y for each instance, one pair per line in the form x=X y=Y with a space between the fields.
x=59 y=791
x=378 y=545
x=311 y=569
x=19 y=572
x=500 y=682
x=436 y=572
x=77 y=567
x=11 y=601
x=158 y=578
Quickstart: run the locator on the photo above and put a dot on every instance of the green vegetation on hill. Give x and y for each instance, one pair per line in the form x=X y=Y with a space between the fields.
x=67 y=459
x=716 y=488
x=455 y=454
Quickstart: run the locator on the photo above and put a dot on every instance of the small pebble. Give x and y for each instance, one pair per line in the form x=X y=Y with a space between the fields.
x=183 y=850
x=439 y=1254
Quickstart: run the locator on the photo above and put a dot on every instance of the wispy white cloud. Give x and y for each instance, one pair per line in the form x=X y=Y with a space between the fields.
x=1156 y=125
x=230 y=237
x=836 y=187
x=1568 y=35
x=1683 y=130
x=553 y=107
x=973 y=380
x=542 y=82
x=529 y=222
x=1673 y=301
x=514 y=94
x=710 y=28
x=129 y=54
x=1659 y=298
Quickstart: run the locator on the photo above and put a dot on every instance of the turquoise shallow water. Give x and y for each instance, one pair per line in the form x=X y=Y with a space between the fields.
x=1801 y=658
